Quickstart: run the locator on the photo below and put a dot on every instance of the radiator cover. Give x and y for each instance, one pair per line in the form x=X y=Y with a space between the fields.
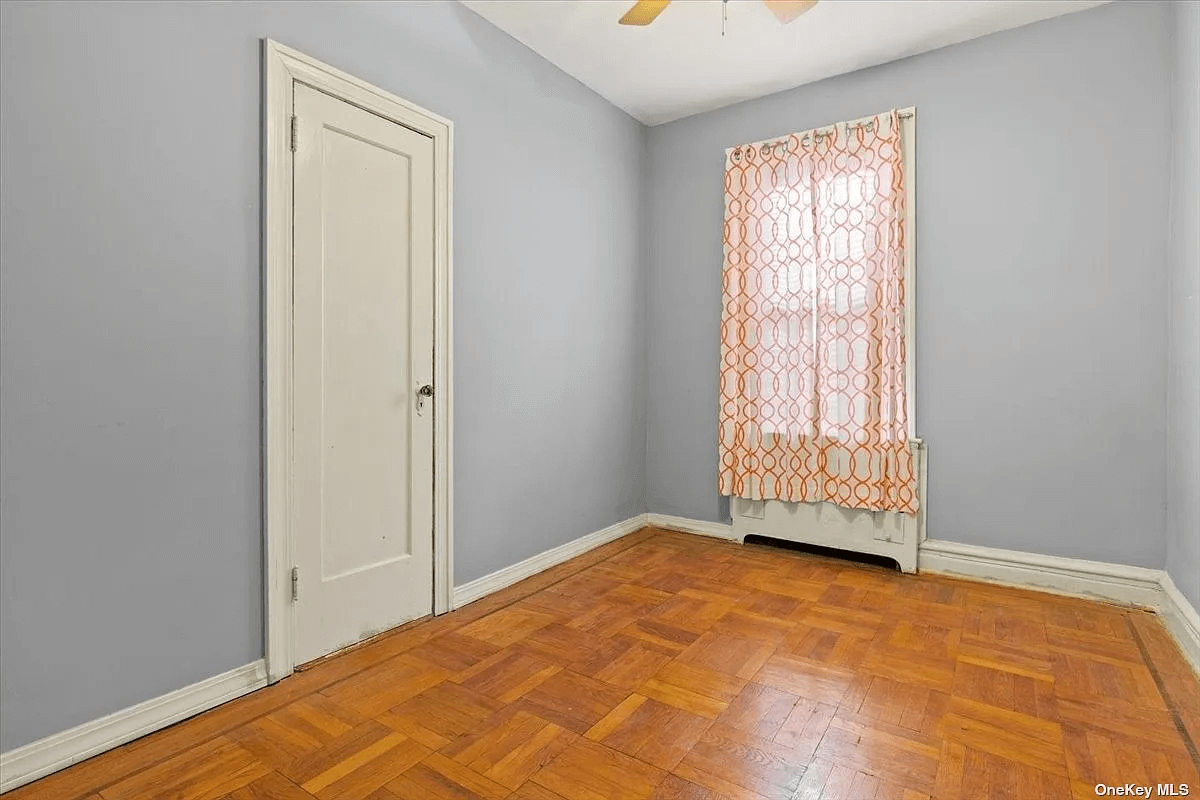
x=883 y=533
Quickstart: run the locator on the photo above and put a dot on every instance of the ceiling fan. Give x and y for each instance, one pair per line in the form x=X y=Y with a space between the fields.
x=645 y=11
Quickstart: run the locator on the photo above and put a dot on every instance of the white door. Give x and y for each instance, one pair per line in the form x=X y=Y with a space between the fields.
x=363 y=276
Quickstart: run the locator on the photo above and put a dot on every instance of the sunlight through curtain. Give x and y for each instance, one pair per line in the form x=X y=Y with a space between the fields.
x=812 y=393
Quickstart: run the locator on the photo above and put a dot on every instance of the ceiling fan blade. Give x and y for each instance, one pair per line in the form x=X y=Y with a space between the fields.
x=788 y=10
x=644 y=12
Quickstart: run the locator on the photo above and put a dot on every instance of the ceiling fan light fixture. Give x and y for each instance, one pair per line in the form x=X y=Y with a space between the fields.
x=644 y=12
x=787 y=10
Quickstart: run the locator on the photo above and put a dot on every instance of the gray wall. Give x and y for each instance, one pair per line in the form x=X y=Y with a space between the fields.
x=1042 y=158
x=1183 y=312
x=129 y=451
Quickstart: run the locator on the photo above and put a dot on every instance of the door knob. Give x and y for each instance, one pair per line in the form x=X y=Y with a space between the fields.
x=422 y=393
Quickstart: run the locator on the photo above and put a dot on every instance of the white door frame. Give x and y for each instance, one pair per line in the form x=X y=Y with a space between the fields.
x=281 y=67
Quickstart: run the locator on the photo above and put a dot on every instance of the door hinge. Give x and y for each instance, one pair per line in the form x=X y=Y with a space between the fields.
x=295 y=584
x=295 y=132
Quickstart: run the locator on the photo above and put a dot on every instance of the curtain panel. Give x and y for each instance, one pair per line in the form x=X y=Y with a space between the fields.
x=812 y=396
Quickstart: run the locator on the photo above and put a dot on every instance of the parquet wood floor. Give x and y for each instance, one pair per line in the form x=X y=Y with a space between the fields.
x=673 y=667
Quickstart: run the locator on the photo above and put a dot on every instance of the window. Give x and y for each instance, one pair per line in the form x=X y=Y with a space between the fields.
x=826 y=319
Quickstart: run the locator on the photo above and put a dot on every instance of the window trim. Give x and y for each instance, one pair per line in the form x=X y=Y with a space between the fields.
x=908 y=133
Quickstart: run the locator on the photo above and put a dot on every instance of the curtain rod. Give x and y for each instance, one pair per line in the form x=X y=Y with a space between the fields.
x=823 y=130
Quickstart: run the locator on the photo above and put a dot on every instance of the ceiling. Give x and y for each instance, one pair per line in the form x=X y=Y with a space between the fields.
x=682 y=65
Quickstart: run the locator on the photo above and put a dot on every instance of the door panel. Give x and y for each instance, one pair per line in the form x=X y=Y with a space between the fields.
x=363 y=343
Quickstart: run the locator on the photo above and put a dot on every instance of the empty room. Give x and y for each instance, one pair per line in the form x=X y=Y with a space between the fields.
x=744 y=400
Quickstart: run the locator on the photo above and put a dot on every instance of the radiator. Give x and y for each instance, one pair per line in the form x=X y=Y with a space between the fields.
x=882 y=533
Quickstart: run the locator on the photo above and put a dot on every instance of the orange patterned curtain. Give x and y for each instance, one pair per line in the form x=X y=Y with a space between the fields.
x=813 y=404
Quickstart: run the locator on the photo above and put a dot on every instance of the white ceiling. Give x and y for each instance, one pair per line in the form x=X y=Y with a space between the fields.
x=681 y=65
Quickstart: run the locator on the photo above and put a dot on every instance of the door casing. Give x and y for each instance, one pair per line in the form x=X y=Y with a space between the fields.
x=283 y=66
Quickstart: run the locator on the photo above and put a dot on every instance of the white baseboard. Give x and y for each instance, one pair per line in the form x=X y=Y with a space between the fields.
x=1074 y=576
x=1182 y=621
x=503 y=578
x=40 y=758
x=717 y=530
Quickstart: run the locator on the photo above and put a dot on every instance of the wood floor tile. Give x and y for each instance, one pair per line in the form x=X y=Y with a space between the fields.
x=650 y=730
x=1090 y=676
x=294 y=731
x=1149 y=727
x=759 y=709
x=828 y=647
x=211 y=770
x=674 y=667
x=440 y=778
x=805 y=679
x=455 y=652
x=357 y=762
x=887 y=753
x=864 y=599
x=532 y=791
x=745 y=623
x=587 y=770
x=716 y=785
x=367 y=771
x=712 y=590
x=668 y=579
x=622 y=661
x=379 y=688
x=1001 y=688
x=511 y=747
x=861 y=624
x=661 y=635
x=768 y=580
x=1094 y=646
x=697 y=690
x=673 y=787
x=1096 y=756
x=1001 y=624
x=977 y=774
x=559 y=643
x=506 y=626
x=933 y=672
x=508 y=675
x=690 y=614
x=1032 y=660
x=905 y=705
x=805 y=726
x=441 y=714
x=759 y=765
x=572 y=701
x=564 y=607
x=1008 y=734
x=1104 y=620
x=761 y=604
x=729 y=654
x=590 y=585
x=271 y=786
x=637 y=599
x=603 y=620
x=825 y=780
